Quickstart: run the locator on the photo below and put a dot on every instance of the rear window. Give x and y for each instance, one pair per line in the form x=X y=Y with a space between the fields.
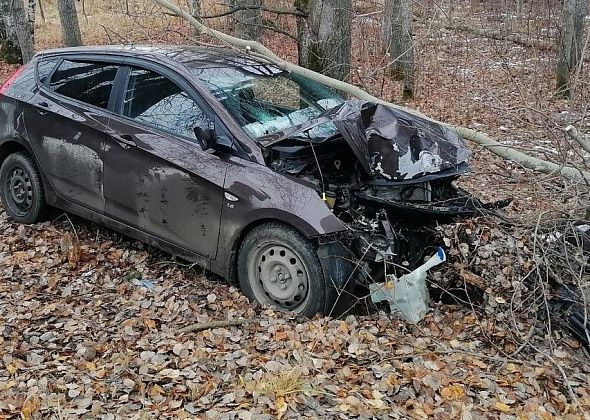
x=85 y=81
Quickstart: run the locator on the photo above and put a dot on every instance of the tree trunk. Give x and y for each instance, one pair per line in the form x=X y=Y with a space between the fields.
x=325 y=37
x=17 y=42
x=69 y=23
x=571 y=43
x=398 y=43
x=248 y=22
x=31 y=18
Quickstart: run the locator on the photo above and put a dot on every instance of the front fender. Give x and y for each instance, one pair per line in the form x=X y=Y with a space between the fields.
x=260 y=194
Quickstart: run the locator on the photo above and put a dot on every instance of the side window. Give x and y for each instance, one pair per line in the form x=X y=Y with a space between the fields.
x=45 y=67
x=153 y=99
x=85 y=81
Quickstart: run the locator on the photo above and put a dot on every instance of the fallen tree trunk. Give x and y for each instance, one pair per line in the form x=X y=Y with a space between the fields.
x=260 y=51
x=499 y=36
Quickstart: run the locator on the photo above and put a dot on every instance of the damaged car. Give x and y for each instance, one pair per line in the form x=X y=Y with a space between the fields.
x=262 y=176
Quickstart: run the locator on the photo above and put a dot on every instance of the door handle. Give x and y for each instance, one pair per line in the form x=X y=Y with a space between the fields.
x=45 y=107
x=125 y=140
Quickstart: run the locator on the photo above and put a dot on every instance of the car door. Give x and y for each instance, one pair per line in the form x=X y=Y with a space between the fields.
x=66 y=124
x=157 y=177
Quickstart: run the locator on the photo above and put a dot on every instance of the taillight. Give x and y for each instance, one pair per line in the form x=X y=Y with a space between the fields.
x=11 y=80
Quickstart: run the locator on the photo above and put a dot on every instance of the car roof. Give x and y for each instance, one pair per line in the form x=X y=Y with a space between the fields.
x=187 y=55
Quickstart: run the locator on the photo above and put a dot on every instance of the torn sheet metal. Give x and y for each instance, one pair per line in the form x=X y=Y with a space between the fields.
x=389 y=143
x=396 y=145
x=408 y=295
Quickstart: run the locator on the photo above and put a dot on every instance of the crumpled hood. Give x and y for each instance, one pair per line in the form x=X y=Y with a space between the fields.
x=389 y=143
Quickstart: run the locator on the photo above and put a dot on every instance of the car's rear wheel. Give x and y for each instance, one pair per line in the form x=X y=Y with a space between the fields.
x=277 y=266
x=21 y=188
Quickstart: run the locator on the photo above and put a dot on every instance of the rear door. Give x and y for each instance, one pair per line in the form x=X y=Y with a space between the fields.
x=157 y=177
x=66 y=126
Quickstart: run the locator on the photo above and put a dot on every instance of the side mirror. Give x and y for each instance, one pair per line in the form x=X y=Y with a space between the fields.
x=206 y=137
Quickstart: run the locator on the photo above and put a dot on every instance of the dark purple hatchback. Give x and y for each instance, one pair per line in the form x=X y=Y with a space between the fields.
x=262 y=176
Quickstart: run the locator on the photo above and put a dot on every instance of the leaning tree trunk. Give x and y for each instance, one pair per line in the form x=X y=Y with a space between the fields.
x=69 y=23
x=258 y=50
x=248 y=21
x=325 y=37
x=398 y=43
x=571 y=43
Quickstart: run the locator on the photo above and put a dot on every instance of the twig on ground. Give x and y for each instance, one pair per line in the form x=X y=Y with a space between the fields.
x=201 y=326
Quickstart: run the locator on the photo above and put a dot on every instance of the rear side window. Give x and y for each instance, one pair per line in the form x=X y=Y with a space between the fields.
x=45 y=67
x=153 y=99
x=85 y=81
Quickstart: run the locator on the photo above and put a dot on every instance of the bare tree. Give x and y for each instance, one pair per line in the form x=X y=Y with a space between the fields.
x=325 y=36
x=69 y=23
x=571 y=42
x=248 y=19
x=18 y=30
x=398 y=43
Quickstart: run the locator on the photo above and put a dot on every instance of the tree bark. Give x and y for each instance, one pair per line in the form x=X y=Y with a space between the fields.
x=19 y=31
x=70 y=26
x=398 y=43
x=259 y=50
x=325 y=36
x=571 y=43
x=248 y=22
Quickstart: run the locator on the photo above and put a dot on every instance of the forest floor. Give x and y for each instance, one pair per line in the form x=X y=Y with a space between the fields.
x=99 y=335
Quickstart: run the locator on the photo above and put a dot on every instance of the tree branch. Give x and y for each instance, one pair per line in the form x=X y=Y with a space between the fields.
x=215 y=324
x=262 y=52
x=263 y=8
x=581 y=139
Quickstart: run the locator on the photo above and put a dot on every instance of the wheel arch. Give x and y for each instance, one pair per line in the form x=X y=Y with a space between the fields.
x=17 y=144
x=241 y=235
x=11 y=146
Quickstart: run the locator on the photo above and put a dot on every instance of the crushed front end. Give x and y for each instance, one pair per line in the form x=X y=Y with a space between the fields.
x=387 y=174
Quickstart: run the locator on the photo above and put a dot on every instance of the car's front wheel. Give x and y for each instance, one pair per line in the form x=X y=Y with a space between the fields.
x=277 y=266
x=21 y=188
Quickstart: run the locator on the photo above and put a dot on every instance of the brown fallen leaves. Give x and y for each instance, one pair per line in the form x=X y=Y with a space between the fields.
x=102 y=339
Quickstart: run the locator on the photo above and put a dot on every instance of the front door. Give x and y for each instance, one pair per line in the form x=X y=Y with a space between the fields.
x=156 y=177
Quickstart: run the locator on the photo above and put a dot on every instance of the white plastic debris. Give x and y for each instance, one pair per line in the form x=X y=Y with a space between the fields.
x=408 y=295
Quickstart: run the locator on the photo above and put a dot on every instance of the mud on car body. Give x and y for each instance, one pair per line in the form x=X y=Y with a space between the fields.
x=262 y=176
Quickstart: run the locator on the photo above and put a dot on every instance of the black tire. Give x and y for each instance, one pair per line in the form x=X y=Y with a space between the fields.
x=274 y=256
x=21 y=189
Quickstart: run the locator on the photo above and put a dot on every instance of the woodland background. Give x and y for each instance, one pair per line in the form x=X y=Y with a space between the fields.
x=91 y=322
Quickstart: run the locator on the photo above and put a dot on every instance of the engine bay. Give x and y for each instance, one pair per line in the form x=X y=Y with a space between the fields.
x=387 y=179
